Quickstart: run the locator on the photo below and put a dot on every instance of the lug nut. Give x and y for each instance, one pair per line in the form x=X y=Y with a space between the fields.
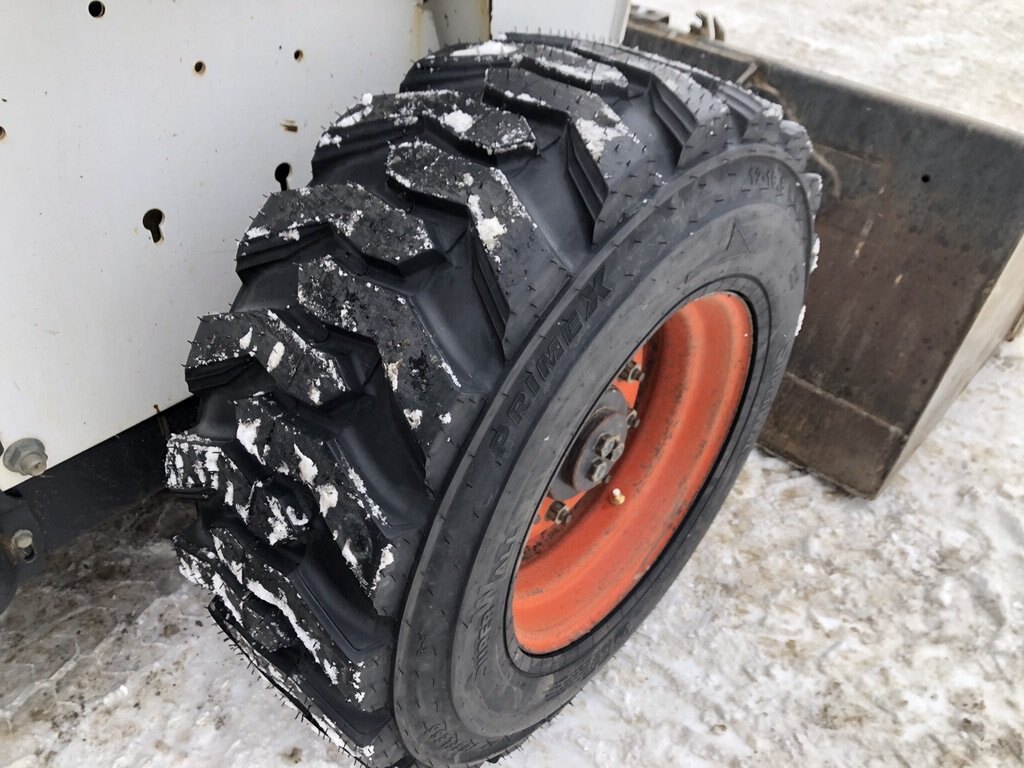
x=618 y=497
x=598 y=471
x=633 y=419
x=558 y=513
x=633 y=372
x=23 y=542
x=609 y=447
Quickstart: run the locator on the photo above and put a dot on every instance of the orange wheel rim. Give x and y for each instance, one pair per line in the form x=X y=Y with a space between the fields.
x=581 y=560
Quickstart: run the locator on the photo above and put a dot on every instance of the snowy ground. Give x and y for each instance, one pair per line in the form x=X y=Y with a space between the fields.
x=810 y=629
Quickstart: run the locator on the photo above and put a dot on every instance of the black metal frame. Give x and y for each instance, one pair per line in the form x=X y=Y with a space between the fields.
x=84 y=491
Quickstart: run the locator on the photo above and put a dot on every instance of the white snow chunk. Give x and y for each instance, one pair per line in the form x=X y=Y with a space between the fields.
x=307 y=469
x=279 y=528
x=451 y=374
x=220 y=589
x=190 y=571
x=357 y=481
x=245 y=341
x=353 y=561
x=281 y=604
x=211 y=460
x=246 y=435
x=328 y=498
x=257 y=232
x=490 y=48
x=350 y=120
x=596 y=136
x=387 y=557
x=288 y=512
x=488 y=227
x=360 y=486
x=233 y=565
x=367 y=99
x=294 y=518
x=348 y=224
x=815 y=250
x=275 y=356
x=800 y=320
x=414 y=417
x=292 y=233
x=458 y=121
x=467 y=180
x=593 y=73
x=445 y=418
x=392 y=371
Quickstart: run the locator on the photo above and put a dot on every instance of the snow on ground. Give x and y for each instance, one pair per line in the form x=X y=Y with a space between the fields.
x=963 y=55
x=810 y=628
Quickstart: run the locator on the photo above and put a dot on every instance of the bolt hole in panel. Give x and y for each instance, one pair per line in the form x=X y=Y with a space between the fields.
x=281 y=174
x=98 y=173
x=152 y=220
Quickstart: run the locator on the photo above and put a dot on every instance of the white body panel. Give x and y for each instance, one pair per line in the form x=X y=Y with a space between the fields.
x=600 y=19
x=106 y=118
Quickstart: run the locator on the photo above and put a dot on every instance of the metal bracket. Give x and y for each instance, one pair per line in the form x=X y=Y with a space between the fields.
x=18 y=563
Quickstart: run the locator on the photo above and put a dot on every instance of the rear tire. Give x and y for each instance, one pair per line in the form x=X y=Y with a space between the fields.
x=419 y=336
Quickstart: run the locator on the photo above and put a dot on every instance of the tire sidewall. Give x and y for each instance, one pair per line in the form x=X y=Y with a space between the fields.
x=467 y=688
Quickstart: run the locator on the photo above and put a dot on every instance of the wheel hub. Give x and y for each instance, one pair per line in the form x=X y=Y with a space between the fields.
x=599 y=443
x=589 y=545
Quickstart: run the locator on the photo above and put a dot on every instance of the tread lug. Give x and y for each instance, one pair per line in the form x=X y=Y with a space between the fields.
x=302 y=369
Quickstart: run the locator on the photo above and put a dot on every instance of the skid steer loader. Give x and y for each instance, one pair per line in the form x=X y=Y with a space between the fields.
x=496 y=357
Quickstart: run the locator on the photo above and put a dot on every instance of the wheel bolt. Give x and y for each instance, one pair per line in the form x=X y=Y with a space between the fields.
x=633 y=372
x=23 y=541
x=598 y=471
x=609 y=447
x=633 y=419
x=558 y=513
x=26 y=457
x=618 y=497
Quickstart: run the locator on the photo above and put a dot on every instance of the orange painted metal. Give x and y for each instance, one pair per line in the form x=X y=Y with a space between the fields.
x=572 y=576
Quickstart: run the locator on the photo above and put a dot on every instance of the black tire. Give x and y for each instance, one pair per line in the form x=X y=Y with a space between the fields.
x=364 y=448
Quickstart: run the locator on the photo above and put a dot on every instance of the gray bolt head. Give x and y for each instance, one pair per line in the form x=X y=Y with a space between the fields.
x=555 y=509
x=26 y=457
x=607 y=445
x=22 y=539
x=633 y=372
x=558 y=513
x=597 y=471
